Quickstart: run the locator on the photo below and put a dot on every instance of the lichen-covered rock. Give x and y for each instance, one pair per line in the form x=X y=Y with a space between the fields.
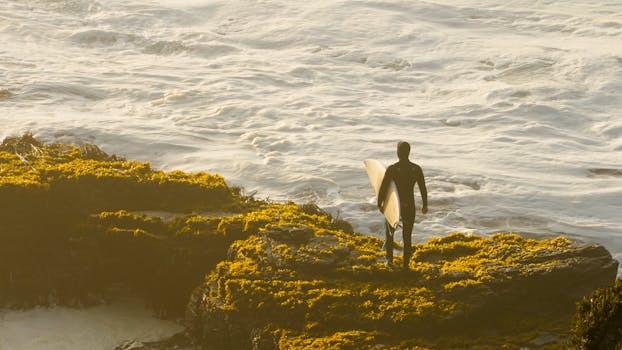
x=53 y=250
x=161 y=260
x=61 y=178
x=74 y=229
x=597 y=325
x=65 y=237
x=313 y=287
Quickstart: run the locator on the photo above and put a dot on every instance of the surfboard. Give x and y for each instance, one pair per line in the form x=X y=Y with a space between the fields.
x=375 y=171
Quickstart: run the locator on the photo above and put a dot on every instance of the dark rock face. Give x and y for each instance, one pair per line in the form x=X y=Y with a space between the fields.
x=179 y=341
x=290 y=234
x=301 y=287
x=161 y=262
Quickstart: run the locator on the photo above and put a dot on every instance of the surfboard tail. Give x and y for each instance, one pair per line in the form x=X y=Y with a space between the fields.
x=375 y=171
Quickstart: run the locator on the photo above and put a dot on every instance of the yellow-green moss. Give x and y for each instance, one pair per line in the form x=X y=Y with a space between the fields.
x=333 y=281
x=354 y=340
x=597 y=323
x=68 y=230
x=86 y=178
x=464 y=260
x=68 y=197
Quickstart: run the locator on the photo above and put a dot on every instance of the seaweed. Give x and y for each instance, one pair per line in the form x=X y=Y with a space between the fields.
x=597 y=323
x=321 y=288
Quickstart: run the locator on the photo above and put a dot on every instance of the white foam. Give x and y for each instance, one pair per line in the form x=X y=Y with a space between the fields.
x=97 y=328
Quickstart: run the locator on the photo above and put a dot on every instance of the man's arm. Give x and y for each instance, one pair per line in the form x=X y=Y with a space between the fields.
x=423 y=190
x=384 y=187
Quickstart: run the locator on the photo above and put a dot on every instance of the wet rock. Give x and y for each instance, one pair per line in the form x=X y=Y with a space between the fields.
x=298 y=286
x=179 y=341
x=263 y=339
x=289 y=234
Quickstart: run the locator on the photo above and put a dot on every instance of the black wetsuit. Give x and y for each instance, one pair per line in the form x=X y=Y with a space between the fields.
x=405 y=174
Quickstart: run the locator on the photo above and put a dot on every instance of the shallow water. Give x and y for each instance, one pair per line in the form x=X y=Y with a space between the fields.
x=512 y=108
x=96 y=328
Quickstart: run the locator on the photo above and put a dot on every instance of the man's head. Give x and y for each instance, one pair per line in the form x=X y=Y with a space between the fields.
x=403 y=150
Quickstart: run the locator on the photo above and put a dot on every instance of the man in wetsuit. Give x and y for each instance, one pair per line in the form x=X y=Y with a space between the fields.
x=405 y=174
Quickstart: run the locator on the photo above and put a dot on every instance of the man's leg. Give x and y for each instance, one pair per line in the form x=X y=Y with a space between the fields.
x=388 y=242
x=407 y=226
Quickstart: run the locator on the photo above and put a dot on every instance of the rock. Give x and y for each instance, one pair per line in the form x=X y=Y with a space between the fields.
x=597 y=323
x=289 y=234
x=53 y=252
x=263 y=339
x=545 y=338
x=304 y=287
x=131 y=345
x=179 y=341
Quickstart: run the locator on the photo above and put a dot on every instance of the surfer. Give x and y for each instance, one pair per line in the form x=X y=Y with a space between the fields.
x=405 y=174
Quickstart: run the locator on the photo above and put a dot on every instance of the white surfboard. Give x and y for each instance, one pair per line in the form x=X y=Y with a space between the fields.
x=375 y=171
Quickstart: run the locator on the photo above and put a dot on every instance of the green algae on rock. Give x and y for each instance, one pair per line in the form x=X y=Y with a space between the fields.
x=66 y=235
x=598 y=322
x=74 y=226
x=165 y=260
x=34 y=176
x=314 y=287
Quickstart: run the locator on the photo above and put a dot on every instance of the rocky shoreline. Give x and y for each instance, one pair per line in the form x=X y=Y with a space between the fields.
x=295 y=287
x=266 y=275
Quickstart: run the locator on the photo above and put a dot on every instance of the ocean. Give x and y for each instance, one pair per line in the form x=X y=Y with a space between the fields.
x=512 y=109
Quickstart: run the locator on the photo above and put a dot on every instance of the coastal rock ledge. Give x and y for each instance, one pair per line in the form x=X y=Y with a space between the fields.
x=79 y=227
x=291 y=287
